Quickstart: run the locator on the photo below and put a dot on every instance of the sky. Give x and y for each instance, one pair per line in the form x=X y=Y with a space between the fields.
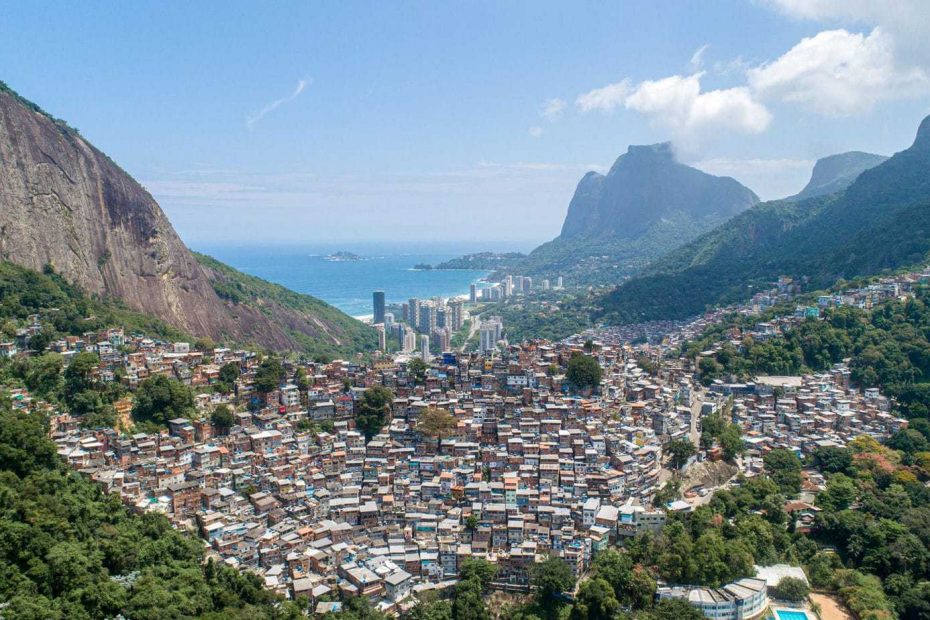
x=467 y=122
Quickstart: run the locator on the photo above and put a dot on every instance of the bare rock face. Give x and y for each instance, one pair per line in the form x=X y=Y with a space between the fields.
x=65 y=204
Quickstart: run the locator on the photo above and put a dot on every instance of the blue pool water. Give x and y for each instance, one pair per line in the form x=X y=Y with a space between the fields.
x=790 y=614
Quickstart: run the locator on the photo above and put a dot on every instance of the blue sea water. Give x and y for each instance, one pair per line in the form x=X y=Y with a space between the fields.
x=348 y=285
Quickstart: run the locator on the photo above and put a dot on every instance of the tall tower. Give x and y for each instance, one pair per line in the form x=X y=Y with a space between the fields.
x=377 y=299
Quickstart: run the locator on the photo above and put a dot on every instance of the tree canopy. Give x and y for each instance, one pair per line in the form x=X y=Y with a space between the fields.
x=372 y=410
x=159 y=399
x=584 y=372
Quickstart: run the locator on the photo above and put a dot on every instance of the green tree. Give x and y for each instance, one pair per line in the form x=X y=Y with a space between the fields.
x=583 y=372
x=478 y=569
x=731 y=442
x=43 y=376
x=595 y=601
x=229 y=373
x=839 y=493
x=222 y=418
x=791 y=589
x=372 y=410
x=550 y=579
x=832 y=459
x=679 y=451
x=416 y=368
x=79 y=375
x=159 y=399
x=23 y=446
x=269 y=375
x=784 y=467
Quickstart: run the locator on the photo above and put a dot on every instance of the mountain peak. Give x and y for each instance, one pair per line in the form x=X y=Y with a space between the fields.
x=923 y=134
x=646 y=186
x=837 y=172
x=662 y=150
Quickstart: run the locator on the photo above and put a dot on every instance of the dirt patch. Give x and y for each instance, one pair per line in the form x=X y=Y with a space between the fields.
x=830 y=608
x=708 y=474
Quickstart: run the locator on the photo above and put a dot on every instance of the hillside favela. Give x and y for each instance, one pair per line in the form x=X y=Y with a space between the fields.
x=465 y=311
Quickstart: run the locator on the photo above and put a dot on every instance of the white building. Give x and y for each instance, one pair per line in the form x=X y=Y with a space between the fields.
x=743 y=599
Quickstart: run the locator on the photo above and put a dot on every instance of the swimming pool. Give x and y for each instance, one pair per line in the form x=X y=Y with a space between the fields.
x=790 y=614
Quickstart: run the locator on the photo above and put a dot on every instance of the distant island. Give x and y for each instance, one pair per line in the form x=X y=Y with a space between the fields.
x=422 y=267
x=487 y=261
x=343 y=257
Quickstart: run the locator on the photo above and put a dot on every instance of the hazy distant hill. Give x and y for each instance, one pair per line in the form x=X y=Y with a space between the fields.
x=646 y=205
x=881 y=221
x=67 y=205
x=836 y=172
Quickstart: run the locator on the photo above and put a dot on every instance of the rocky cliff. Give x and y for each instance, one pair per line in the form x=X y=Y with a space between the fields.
x=646 y=205
x=65 y=204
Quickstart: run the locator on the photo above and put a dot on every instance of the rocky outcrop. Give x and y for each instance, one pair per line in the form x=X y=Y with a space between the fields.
x=65 y=204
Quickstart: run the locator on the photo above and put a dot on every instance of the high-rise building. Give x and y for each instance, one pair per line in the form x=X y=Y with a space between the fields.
x=545 y=285
x=382 y=336
x=427 y=319
x=527 y=284
x=413 y=312
x=410 y=341
x=490 y=334
x=442 y=339
x=507 y=286
x=455 y=317
x=558 y=282
x=473 y=293
x=377 y=299
x=424 y=347
x=389 y=320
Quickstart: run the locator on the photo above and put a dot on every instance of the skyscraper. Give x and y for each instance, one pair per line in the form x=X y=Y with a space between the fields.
x=377 y=299
x=413 y=312
x=473 y=293
x=490 y=333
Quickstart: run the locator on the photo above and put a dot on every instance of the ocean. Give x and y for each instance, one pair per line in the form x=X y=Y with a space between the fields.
x=348 y=285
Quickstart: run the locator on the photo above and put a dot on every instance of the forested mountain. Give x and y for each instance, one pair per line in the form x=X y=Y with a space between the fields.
x=880 y=222
x=837 y=172
x=65 y=204
x=646 y=205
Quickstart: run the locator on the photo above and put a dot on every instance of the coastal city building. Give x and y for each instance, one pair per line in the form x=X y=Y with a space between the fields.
x=378 y=303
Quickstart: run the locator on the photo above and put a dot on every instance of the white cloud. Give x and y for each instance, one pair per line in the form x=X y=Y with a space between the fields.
x=552 y=109
x=277 y=103
x=677 y=102
x=909 y=16
x=838 y=73
x=535 y=131
x=605 y=99
x=697 y=58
